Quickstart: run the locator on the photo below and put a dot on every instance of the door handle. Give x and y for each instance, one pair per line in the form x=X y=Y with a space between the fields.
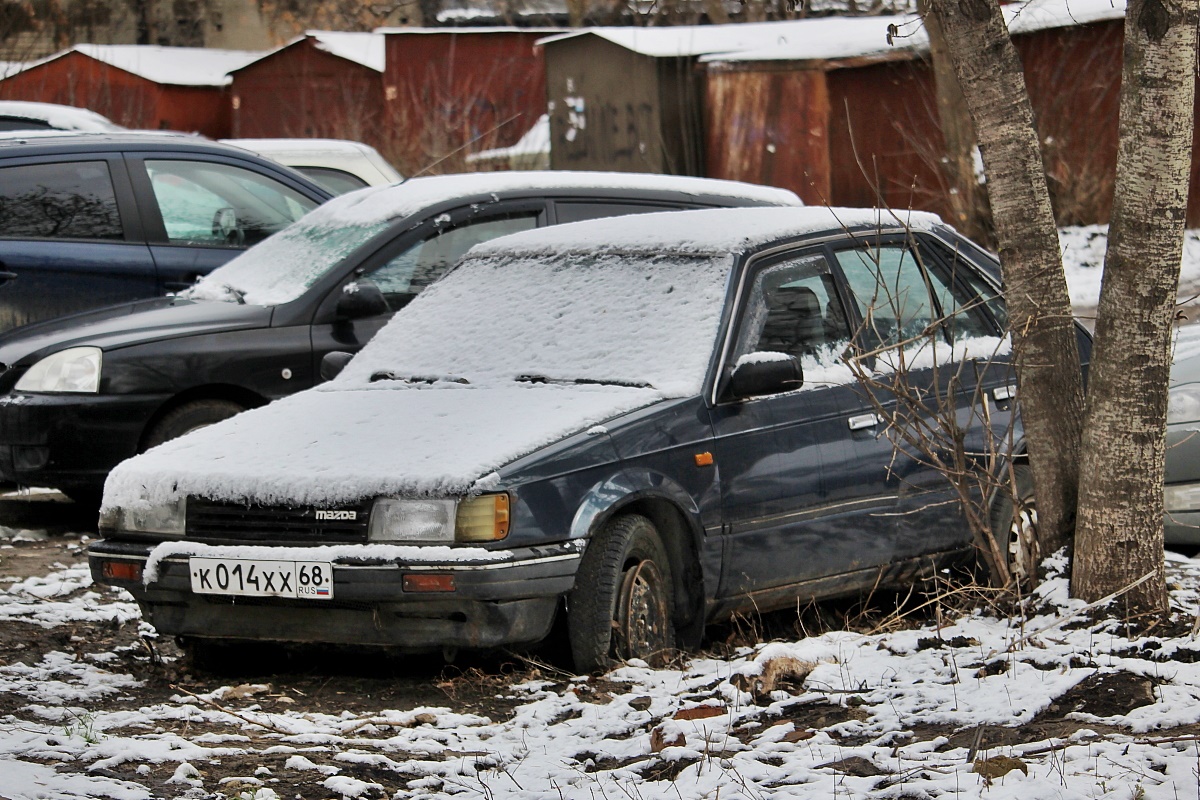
x=864 y=421
x=7 y=276
x=1004 y=393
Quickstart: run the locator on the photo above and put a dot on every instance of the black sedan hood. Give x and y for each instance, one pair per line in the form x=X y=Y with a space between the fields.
x=129 y=324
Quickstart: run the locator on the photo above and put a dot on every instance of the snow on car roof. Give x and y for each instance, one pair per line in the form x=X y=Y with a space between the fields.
x=372 y=205
x=711 y=231
x=279 y=269
x=67 y=118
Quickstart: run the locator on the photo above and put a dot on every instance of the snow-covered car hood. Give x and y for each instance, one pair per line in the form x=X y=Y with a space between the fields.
x=335 y=447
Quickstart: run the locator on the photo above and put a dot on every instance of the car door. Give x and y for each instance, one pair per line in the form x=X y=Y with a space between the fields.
x=70 y=238
x=910 y=306
x=403 y=267
x=787 y=518
x=199 y=213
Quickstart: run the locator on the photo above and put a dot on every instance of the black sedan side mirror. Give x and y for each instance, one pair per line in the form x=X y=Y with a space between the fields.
x=361 y=298
x=754 y=377
x=333 y=363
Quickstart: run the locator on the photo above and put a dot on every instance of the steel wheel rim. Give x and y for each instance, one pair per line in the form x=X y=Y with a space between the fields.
x=642 y=624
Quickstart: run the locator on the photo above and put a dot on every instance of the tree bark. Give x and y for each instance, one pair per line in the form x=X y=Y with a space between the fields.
x=968 y=200
x=1049 y=379
x=1120 y=531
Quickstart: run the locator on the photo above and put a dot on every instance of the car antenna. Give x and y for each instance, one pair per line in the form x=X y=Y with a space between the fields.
x=463 y=146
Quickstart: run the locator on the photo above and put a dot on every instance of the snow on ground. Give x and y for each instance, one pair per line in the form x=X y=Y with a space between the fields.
x=1083 y=250
x=853 y=715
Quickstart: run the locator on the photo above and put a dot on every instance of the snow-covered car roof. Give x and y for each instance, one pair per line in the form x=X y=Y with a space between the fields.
x=280 y=268
x=59 y=117
x=391 y=202
x=708 y=231
x=342 y=155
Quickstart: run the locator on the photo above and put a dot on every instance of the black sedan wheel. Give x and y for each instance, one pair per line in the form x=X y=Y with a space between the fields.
x=620 y=607
x=189 y=417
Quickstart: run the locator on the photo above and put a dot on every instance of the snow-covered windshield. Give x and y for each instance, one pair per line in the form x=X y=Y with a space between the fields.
x=642 y=320
x=283 y=266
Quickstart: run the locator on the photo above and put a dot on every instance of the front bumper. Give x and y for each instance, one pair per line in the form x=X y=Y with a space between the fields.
x=512 y=601
x=70 y=440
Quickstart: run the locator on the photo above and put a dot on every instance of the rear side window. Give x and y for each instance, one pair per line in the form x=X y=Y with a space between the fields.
x=569 y=211
x=335 y=180
x=74 y=200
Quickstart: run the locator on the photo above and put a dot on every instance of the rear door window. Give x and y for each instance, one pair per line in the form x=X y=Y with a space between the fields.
x=72 y=200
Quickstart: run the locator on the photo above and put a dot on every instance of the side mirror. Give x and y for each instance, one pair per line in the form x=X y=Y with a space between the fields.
x=333 y=363
x=361 y=298
x=226 y=228
x=765 y=373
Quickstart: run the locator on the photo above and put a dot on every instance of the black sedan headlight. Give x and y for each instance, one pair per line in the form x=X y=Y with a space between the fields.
x=76 y=369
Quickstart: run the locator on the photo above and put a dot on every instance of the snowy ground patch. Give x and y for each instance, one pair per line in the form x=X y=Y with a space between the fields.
x=1045 y=704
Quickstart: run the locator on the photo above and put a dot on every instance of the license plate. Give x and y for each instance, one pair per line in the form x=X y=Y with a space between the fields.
x=311 y=580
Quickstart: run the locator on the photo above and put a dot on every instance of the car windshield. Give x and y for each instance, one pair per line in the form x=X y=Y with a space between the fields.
x=284 y=266
x=644 y=321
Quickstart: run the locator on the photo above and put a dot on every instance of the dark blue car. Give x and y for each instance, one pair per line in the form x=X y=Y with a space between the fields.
x=641 y=424
x=88 y=220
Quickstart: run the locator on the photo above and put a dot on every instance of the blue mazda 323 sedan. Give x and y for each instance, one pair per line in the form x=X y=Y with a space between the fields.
x=643 y=424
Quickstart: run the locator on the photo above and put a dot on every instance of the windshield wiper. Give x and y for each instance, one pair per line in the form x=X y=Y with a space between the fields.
x=582 y=381
x=426 y=379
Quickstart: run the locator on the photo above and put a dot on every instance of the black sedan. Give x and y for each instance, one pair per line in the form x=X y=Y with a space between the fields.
x=82 y=393
x=639 y=425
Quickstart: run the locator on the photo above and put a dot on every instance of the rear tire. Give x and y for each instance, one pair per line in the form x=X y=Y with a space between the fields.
x=1014 y=529
x=189 y=417
x=621 y=606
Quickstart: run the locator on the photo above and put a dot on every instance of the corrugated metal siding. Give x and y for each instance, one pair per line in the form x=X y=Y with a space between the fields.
x=451 y=94
x=885 y=140
x=302 y=91
x=770 y=127
x=1074 y=81
x=78 y=80
x=605 y=109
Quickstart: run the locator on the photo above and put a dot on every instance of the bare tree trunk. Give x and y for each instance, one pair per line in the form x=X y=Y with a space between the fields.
x=968 y=200
x=1120 y=533
x=1045 y=348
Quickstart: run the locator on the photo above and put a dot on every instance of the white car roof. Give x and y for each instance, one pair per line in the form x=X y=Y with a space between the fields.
x=67 y=118
x=356 y=158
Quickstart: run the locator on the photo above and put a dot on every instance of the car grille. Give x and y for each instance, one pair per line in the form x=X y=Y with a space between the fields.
x=235 y=522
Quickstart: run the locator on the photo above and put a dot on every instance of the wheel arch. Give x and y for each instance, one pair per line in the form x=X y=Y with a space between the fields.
x=217 y=391
x=675 y=517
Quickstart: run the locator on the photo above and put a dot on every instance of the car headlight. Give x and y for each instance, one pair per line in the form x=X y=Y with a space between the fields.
x=164 y=518
x=439 y=520
x=1183 y=403
x=76 y=369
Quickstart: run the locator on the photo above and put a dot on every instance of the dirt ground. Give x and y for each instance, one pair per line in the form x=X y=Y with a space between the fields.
x=335 y=682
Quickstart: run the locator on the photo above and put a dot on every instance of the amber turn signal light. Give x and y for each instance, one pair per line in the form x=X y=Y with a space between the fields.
x=428 y=582
x=121 y=570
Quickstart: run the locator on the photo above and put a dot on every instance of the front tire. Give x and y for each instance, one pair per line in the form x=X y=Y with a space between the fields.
x=189 y=417
x=621 y=606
